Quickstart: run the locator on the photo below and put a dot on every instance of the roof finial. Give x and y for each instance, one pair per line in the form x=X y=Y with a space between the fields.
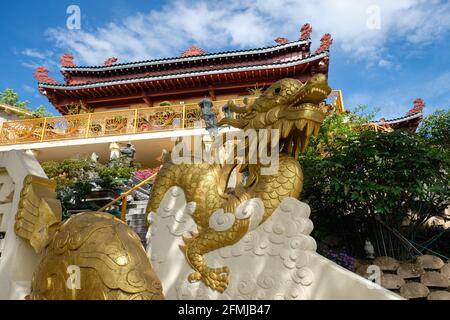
x=42 y=76
x=305 y=32
x=110 y=61
x=67 y=60
x=193 y=51
x=325 y=43
x=418 y=106
x=280 y=40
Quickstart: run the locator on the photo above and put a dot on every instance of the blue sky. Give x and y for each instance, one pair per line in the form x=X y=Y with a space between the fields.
x=385 y=53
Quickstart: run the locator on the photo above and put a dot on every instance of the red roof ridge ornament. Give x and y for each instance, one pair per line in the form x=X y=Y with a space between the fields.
x=281 y=40
x=193 y=51
x=418 y=106
x=67 y=60
x=110 y=61
x=305 y=32
x=325 y=43
x=42 y=76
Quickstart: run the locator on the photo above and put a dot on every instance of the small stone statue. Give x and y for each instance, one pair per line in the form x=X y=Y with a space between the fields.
x=370 y=250
x=209 y=116
x=94 y=157
x=128 y=152
x=114 y=148
x=227 y=111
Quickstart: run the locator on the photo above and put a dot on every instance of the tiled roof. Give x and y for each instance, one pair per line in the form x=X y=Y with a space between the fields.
x=187 y=74
x=186 y=59
x=402 y=119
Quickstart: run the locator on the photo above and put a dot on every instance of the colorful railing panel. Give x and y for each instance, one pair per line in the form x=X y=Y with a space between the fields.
x=109 y=123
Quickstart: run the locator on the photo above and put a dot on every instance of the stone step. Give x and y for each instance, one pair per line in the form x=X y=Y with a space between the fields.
x=136 y=217
x=140 y=203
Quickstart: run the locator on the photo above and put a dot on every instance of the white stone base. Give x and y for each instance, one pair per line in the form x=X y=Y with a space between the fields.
x=18 y=259
x=276 y=260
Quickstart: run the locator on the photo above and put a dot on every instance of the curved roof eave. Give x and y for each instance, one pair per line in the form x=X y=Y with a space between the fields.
x=184 y=75
x=184 y=59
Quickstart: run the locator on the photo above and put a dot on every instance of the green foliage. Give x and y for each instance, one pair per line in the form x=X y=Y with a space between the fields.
x=10 y=97
x=41 y=112
x=116 y=174
x=436 y=128
x=365 y=175
x=77 y=177
x=336 y=129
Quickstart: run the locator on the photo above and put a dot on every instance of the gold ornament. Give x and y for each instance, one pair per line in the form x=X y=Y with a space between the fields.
x=288 y=105
x=94 y=256
x=90 y=256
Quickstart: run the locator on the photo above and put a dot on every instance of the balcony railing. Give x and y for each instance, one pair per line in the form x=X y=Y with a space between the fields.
x=109 y=123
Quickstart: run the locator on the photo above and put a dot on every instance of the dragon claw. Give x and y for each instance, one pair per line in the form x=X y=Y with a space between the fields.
x=216 y=278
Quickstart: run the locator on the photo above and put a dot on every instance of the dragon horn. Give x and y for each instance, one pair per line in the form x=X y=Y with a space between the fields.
x=233 y=107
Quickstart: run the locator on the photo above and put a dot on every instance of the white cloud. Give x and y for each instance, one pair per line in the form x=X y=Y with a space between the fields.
x=33 y=58
x=35 y=53
x=28 y=89
x=395 y=101
x=238 y=23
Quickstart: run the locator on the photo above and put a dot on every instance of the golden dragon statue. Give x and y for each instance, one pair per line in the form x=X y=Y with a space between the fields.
x=107 y=258
x=297 y=110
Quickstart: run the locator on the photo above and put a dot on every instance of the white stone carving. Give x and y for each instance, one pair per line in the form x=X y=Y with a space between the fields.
x=269 y=262
x=221 y=221
x=275 y=260
x=18 y=259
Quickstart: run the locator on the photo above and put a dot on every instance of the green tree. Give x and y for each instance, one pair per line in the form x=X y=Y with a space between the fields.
x=10 y=97
x=77 y=177
x=336 y=128
x=370 y=176
x=436 y=128
x=41 y=112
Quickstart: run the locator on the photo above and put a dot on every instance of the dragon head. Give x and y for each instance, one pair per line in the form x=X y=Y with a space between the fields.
x=296 y=109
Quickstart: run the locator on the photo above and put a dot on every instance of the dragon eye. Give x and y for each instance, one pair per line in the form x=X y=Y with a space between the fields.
x=277 y=90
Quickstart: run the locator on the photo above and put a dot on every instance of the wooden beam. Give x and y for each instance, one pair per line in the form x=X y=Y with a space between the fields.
x=147 y=101
x=212 y=94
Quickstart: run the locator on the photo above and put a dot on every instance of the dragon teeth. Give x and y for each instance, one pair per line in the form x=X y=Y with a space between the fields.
x=316 y=129
x=300 y=124
x=287 y=127
x=310 y=128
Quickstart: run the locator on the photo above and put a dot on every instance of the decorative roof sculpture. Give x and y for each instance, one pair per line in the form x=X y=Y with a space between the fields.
x=418 y=106
x=281 y=40
x=305 y=32
x=67 y=60
x=193 y=51
x=325 y=43
x=42 y=76
x=110 y=61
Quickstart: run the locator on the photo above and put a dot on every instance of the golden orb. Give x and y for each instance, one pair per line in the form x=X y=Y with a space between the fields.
x=94 y=256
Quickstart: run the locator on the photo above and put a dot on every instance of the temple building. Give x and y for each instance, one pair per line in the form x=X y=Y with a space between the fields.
x=188 y=78
x=157 y=100
x=410 y=121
